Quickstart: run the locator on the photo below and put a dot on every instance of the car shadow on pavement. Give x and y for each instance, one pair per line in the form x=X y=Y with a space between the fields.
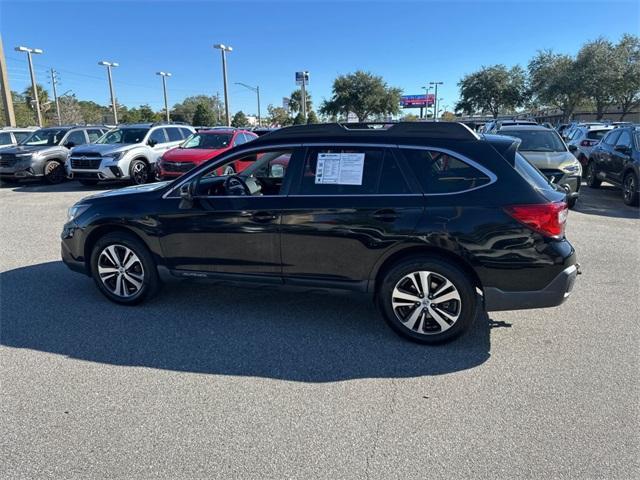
x=38 y=186
x=605 y=201
x=210 y=329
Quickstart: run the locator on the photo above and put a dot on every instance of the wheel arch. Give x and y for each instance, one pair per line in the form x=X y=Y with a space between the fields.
x=102 y=230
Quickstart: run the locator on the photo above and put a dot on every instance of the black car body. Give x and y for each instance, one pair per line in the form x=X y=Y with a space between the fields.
x=412 y=213
x=616 y=159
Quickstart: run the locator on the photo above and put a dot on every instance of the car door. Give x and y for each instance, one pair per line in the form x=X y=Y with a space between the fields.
x=348 y=206
x=160 y=143
x=74 y=138
x=229 y=235
x=603 y=158
x=620 y=155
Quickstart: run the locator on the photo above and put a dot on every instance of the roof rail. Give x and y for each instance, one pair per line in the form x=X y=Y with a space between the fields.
x=435 y=130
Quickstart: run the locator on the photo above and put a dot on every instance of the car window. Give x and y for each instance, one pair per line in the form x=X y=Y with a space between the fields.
x=20 y=136
x=5 y=138
x=173 y=134
x=596 y=134
x=624 y=140
x=531 y=174
x=239 y=140
x=341 y=171
x=439 y=172
x=94 y=134
x=392 y=180
x=611 y=138
x=76 y=137
x=185 y=132
x=45 y=136
x=537 y=140
x=158 y=136
x=248 y=137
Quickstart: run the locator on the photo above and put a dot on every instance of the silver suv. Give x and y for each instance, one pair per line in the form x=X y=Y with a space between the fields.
x=43 y=153
x=129 y=152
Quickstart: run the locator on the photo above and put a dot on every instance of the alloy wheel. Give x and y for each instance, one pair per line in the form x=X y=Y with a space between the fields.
x=120 y=271
x=426 y=302
x=139 y=173
x=628 y=188
x=54 y=172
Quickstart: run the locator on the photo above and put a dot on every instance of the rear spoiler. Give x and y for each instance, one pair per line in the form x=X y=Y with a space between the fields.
x=505 y=146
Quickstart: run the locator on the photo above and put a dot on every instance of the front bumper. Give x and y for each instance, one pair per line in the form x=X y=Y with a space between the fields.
x=555 y=293
x=107 y=170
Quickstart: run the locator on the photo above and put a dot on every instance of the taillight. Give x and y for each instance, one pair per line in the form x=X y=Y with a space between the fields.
x=588 y=143
x=548 y=219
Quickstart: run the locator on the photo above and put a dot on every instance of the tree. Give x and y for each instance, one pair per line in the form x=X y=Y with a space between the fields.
x=92 y=112
x=448 y=116
x=148 y=115
x=364 y=94
x=185 y=111
x=295 y=101
x=203 y=115
x=70 y=111
x=410 y=117
x=627 y=83
x=555 y=80
x=239 y=120
x=278 y=116
x=596 y=64
x=298 y=119
x=492 y=89
x=25 y=117
x=312 y=117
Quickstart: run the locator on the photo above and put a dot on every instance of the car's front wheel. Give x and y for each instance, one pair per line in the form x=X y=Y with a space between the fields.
x=139 y=172
x=123 y=268
x=591 y=175
x=630 y=189
x=54 y=172
x=427 y=299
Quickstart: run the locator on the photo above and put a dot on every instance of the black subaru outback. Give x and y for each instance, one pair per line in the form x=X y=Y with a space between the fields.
x=430 y=218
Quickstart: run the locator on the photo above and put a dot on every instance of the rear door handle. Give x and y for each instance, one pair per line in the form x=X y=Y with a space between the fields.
x=385 y=215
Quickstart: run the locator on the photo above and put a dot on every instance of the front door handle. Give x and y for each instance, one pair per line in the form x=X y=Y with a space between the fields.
x=385 y=215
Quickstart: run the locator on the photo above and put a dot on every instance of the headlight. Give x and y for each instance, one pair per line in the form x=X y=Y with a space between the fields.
x=77 y=210
x=571 y=168
x=114 y=156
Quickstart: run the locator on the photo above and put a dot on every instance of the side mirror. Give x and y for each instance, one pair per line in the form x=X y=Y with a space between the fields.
x=277 y=171
x=573 y=148
x=151 y=142
x=69 y=145
x=187 y=195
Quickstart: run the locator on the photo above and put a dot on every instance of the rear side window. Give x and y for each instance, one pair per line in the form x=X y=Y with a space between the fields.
x=439 y=172
x=341 y=171
x=185 y=132
x=173 y=134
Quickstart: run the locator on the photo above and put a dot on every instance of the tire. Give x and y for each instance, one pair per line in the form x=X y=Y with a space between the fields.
x=592 y=180
x=88 y=183
x=139 y=172
x=229 y=170
x=54 y=172
x=630 y=189
x=119 y=283
x=572 y=202
x=430 y=326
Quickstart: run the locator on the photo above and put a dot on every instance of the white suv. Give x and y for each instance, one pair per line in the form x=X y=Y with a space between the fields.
x=10 y=136
x=129 y=152
x=583 y=138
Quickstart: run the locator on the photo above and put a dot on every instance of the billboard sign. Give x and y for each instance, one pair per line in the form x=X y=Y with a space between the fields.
x=300 y=76
x=416 y=101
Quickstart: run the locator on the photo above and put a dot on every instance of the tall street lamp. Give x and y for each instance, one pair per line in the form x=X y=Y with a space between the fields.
x=426 y=107
x=435 y=115
x=109 y=65
x=29 y=51
x=257 y=90
x=164 y=76
x=224 y=49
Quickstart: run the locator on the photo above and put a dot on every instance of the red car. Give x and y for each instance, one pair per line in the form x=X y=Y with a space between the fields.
x=200 y=147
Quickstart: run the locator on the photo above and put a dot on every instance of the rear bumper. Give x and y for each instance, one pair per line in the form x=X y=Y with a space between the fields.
x=555 y=293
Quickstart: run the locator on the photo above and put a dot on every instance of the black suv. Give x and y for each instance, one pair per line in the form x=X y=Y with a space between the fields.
x=431 y=219
x=616 y=159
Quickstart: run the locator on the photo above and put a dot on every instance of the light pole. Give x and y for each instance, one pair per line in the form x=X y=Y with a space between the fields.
x=29 y=51
x=426 y=106
x=435 y=110
x=113 y=97
x=164 y=76
x=224 y=49
x=257 y=90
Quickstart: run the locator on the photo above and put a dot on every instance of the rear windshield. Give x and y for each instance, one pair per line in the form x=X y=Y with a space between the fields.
x=596 y=134
x=531 y=174
x=537 y=140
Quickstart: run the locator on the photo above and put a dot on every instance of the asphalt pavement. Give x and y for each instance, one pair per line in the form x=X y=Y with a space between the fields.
x=217 y=382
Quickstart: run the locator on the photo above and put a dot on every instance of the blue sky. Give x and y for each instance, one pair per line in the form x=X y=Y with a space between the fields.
x=408 y=43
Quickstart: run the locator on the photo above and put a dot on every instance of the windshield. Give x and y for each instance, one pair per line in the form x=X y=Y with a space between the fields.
x=45 y=136
x=124 y=135
x=537 y=140
x=596 y=134
x=211 y=141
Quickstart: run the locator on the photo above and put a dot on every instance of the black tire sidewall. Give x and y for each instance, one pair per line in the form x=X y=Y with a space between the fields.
x=150 y=283
x=133 y=164
x=448 y=269
x=592 y=180
x=50 y=179
x=634 y=195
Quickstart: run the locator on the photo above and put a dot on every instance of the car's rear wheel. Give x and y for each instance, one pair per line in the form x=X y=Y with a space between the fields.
x=591 y=176
x=139 y=172
x=427 y=300
x=630 y=189
x=88 y=183
x=123 y=269
x=54 y=172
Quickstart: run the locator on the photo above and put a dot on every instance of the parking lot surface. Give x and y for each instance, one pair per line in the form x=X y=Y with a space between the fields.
x=217 y=382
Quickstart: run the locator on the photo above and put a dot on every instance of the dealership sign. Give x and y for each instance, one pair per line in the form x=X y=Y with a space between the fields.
x=416 y=101
x=302 y=77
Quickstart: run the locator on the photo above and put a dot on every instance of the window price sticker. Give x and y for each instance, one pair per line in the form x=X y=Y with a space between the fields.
x=340 y=168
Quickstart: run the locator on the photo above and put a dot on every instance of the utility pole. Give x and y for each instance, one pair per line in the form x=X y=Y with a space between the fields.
x=218 y=106
x=109 y=65
x=303 y=92
x=54 y=83
x=435 y=111
x=257 y=91
x=7 y=101
x=29 y=51
x=224 y=49
x=164 y=76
